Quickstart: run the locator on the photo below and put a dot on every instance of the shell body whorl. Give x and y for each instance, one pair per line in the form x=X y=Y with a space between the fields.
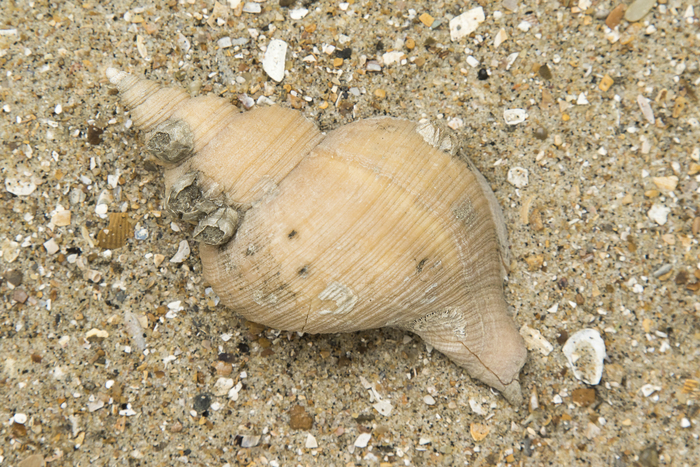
x=366 y=227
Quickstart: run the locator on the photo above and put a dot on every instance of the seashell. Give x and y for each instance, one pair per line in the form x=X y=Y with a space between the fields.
x=378 y=223
x=585 y=352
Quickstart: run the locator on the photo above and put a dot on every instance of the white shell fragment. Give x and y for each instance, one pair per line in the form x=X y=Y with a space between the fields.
x=222 y=386
x=585 y=352
x=518 y=177
x=311 y=442
x=514 y=116
x=183 y=252
x=19 y=187
x=534 y=340
x=466 y=23
x=298 y=13
x=646 y=109
x=275 y=56
x=659 y=213
x=362 y=440
x=51 y=246
x=384 y=407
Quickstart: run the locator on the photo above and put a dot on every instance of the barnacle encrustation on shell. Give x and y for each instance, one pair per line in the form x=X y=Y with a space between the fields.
x=380 y=222
x=171 y=141
x=218 y=227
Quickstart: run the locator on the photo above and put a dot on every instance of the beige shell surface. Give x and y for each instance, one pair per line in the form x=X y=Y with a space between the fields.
x=369 y=226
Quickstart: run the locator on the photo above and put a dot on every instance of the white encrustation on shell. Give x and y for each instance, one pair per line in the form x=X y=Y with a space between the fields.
x=585 y=351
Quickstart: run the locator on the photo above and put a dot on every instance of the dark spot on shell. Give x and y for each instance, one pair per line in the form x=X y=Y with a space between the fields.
x=292 y=234
x=419 y=268
x=303 y=272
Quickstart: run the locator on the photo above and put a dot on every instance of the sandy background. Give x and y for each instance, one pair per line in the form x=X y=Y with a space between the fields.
x=78 y=390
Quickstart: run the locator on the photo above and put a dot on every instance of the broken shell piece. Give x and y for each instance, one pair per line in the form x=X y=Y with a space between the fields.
x=585 y=352
x=535 y=340
x=514 y=116
x=172 y=141
x=217 y=228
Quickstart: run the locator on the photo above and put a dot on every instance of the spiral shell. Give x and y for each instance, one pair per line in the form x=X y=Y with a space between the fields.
x=378 y=223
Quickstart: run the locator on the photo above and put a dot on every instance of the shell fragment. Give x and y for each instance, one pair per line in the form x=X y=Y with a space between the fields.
x=585 y=351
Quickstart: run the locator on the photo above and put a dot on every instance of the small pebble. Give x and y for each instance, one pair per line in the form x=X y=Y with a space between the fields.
x=545 y=72
x=615 y=16
x=251 y=7
x=482 y=75
x=466 y=23
x=659 y=213
x=141 y=234
x=311 y=442
x=646 y=109
x=518 y=177
x=514 y=116
x=685 y=423
x=649 y=389
x=201 y=402
x=501 y=37
x=362 y=440
x=298 y=13
x=605 y=83
x=14 y=277
x=299 y=419
x=583 y=396
x=274 y=59
x=250 y=441
x=222 y=386
x=429 y=400
x=638 y=10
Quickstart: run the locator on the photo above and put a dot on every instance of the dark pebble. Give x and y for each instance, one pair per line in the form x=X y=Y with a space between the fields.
x=545 y=72
x=482 y=75
x=286 y=3
x=562 y=337
x=19 y=295
x=649 y=457
x=541 y=133
x=243 y=347
x=94 y=135
x=201 y=402
x=345 y=54
x=14 y=277
x=227 y=357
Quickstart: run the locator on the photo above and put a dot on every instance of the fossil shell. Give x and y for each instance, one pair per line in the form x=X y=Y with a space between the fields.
x=378 y=223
